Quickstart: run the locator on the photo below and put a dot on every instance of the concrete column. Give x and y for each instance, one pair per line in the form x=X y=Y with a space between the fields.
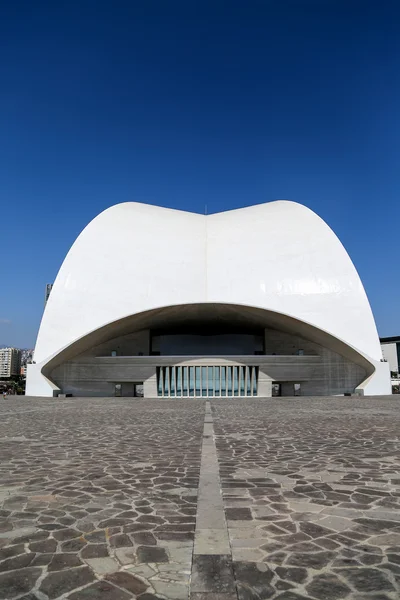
x=150 y=387
x=264 y=385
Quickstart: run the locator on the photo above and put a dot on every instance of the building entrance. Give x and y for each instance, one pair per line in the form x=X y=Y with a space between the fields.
x=276 y=390
x=207 y=381
x=138 y=390
x=286 y=388
x=129 y=389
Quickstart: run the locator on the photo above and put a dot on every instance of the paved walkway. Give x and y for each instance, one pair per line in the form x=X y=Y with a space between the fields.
x=120 y=499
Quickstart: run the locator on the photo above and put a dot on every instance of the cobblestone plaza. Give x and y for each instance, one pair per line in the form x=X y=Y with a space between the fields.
x=123 y=498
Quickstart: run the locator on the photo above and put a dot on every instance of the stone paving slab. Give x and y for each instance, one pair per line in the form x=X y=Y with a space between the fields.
x=311 y=491
x=299 y=498
x=98 y=498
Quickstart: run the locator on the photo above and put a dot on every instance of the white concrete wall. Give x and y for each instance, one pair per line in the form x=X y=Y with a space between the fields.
x=39 y=385
x=378 y=383
x=129 y=259
x=283 y=257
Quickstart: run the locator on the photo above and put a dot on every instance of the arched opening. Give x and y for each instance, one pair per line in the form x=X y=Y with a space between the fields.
x=200 y=350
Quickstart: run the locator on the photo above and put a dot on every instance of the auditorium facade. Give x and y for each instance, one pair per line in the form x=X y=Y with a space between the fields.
x=256 y=302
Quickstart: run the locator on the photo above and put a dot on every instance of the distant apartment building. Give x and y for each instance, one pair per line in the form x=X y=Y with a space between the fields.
x=26 y=355
x=26 y=359
x=10 y=362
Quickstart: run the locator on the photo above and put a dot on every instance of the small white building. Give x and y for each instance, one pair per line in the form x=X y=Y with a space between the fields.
x=249 y=303
x=391 y=354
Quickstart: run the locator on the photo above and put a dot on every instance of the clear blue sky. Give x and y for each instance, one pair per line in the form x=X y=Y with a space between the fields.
x=183 y=104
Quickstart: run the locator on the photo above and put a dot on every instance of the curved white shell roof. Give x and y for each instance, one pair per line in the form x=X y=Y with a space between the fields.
x=278 y=256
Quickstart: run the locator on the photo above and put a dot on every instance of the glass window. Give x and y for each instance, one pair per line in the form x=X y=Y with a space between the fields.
x=159 y=382
x=172 y=380
x=197 y=382
x=166 y=381
x=236 y=381
x=185 y=381
x=191 y=381
x=248 y=380
x=217 y=390
x=242 y=371
x=229 y=390
x=255 y=380
x=210 y=376
x=204 y=383
x=223 y=381
x=207 y=381
x=178 y=371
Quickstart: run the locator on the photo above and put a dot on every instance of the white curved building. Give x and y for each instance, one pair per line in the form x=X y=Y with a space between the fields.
x=252 y=302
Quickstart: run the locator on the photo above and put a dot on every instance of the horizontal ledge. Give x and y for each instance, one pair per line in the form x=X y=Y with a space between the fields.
x=157 y=357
